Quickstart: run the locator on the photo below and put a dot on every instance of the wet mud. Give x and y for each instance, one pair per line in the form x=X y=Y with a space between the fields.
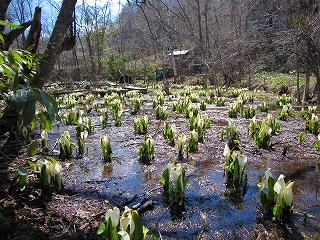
x=210 y=210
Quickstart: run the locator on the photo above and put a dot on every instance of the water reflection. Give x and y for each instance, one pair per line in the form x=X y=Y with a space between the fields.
x=107 y=170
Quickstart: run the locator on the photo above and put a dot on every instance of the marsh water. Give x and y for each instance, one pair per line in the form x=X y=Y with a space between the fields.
x=210 y=210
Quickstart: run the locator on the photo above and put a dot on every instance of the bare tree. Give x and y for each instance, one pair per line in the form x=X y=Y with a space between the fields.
x=58 y=41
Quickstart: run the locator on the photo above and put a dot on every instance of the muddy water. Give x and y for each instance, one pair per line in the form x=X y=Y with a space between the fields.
x=210 y=212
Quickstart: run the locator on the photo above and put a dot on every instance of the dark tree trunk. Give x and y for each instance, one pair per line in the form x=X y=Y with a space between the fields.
x=57 y=42
x=35 y=30
x=12 y=35
x=4 y=4
x=318 y=88
x=306 y=87
x=199 y=26
x=298 y=80
x=92 y=61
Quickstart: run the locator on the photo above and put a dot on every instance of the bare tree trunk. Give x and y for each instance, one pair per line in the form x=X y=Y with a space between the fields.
x=206 y=26
x=298 y=80
x=35 y=30
x=199 y=26
x=4 y=4
x=56 y=42
x=93 y=63
x=317 y=89
x=307 y=85
x=173 y=60
x=76 y=64
x=84 y=58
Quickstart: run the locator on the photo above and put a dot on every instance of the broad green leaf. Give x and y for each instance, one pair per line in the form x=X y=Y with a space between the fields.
x=180 y=188
x=145 y=231
x=45 y=178
x=1 y=58
x=21 y=98
x=101 y=229
x=32 y=163
x=271 y=182
x=11 y=58
x=138 y=227
x=165 y=178
x=4 y=86
x=20 y=176
x=153 y=237
x=48 y=101
x=2 y=39
x=9 y=24
x=30 y=107
x=33 y=148
x=17 y=56
x=9 y=72
x=115 y=235
x=45 y=121
x=22 y=171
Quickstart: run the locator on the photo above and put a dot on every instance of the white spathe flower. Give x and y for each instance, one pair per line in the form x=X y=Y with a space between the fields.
x=103 y=111
x=264 y=183
x=145 y=119
x=181 y=140
x=288 y=197
x=266 y=130
x=104 y=140
x=40 y=164
x=194 y=134
x=80 y=121
x=101 y=117
x=242 y=160
x=85 y=121
x=57 y=168
x=126 y=220
x=280 y=186
x=124 y=235
x=44 y=135
x=226 y=151
x=253 y=121
x=114 y=215
x=80 y=112
x=176 y=171
x=173 y=128
x=150 y=142
x=83 y=135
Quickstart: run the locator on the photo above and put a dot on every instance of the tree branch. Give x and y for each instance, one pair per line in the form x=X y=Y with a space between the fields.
x=12 y=35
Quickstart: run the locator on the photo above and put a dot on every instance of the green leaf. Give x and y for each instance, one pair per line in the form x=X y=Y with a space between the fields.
x=30 y=107
x=138 y=227
x=271 y=183
x=153 y=237
x=17 y=56
x=48 y=101
x=115 y=235
x=45 y=178
x=33 y=148
x=2 y=39
x=32 y=163
x=7 y=70
x=9 y=24
x=22 y=171
x=45 y=121
x=101 y=229
x=165 y=178
x=20 y=176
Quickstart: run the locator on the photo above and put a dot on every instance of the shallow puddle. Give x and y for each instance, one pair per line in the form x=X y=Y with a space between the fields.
x=210 y=211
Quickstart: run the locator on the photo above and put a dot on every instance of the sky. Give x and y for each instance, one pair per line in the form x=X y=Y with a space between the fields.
x=115 y=5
